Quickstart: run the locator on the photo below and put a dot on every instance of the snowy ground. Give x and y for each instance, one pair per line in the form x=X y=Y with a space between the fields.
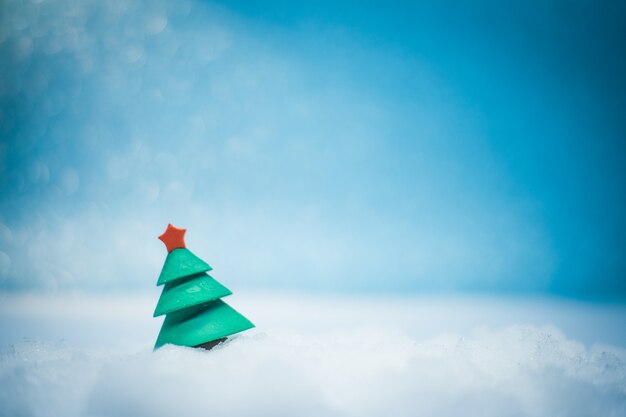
x=80 y=355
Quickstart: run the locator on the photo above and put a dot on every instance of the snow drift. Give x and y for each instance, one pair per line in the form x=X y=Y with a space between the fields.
x=516 y=371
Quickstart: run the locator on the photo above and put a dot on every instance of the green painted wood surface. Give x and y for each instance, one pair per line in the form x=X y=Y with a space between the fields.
x=183 y=293
x=200 y=324
x=181 y=263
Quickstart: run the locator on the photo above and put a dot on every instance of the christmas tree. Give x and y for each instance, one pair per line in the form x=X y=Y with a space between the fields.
x=191 y=299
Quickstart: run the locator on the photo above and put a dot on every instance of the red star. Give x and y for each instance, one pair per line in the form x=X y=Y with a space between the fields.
x=173 y=238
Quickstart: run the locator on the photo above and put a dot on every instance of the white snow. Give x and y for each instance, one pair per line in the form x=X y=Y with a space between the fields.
x=317 y=356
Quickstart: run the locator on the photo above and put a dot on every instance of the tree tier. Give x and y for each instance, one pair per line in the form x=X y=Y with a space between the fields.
x=188 y=292
x=181 y=263
x=201 y=324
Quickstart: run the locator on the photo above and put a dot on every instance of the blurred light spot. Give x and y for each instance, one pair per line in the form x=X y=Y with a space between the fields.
x=166 y=162
x=38 y=173
x=65 y=279
x=5 y=264
x=53 y=193
x=180 y=8
x=239 y=147
x=118 y=167
x=133 y=53
x=4 y=33
x=51 y=45
x=51 y=105
x=69 y=181
x=155 y=94
x=48 y=281
x=6 y=236
x=177 y=192
x=23 y=47
x=21 y=16
x=149 y=191
x=212 y=49
x=155 y=24
x=196 y=125
x=86 y=65
x=168 y=43
x=70 y=39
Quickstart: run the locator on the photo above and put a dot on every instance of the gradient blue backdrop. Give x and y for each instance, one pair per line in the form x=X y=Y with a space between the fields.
x=360 y=146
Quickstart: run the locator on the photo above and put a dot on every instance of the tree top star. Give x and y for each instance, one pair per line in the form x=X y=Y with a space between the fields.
x=173 y=237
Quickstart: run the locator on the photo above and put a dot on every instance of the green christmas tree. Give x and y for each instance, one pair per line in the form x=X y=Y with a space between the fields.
x=191 y=299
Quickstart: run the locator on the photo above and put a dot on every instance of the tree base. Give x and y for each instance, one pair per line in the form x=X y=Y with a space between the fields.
x=211 y=345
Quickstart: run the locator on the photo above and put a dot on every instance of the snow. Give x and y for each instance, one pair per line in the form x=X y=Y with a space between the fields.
x=316 y=355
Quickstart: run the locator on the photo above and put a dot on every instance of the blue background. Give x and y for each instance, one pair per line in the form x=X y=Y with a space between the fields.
x=335 y=146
